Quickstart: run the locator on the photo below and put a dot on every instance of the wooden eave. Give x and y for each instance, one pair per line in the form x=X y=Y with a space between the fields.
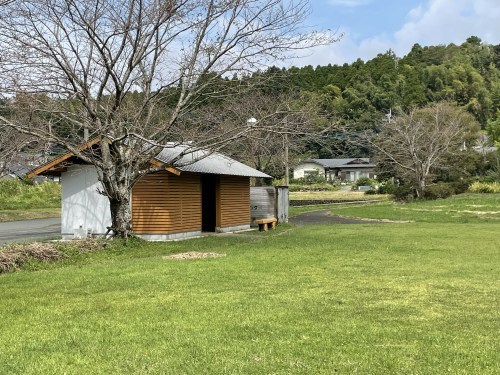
x=56 y=166
x=157 y=163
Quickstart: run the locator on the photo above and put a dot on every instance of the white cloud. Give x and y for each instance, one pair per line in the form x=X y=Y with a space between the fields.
x=436 y=22
x=450 y=21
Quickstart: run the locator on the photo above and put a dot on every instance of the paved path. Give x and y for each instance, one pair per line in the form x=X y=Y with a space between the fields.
x=28 y=230
x=323 y=217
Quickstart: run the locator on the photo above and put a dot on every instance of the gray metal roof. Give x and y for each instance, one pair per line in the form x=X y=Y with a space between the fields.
x=341 y=163
x=202 y=161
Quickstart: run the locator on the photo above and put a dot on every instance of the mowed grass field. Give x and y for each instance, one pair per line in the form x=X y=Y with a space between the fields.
x=378 y=298
x=463 y=208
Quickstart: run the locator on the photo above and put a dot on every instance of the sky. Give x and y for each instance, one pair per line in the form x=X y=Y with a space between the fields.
x=371 y=27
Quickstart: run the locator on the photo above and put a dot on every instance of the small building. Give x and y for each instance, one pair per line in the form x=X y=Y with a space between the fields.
x=205 y=193
x=341 y=170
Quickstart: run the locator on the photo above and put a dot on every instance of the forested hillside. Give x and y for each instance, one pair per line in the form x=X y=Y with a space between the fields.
x=467 y=74
x=360 y=96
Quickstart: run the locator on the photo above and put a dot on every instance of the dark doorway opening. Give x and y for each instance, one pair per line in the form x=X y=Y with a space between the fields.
x=208 y=205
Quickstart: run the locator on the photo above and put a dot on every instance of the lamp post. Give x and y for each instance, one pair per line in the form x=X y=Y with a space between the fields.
x=251 y=121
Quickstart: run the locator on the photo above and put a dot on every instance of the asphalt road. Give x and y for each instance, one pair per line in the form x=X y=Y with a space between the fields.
x=29 y=230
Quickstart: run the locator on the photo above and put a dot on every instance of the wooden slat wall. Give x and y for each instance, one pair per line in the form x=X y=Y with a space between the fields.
x=233 y=201
x=164 y=203
x=262 y=202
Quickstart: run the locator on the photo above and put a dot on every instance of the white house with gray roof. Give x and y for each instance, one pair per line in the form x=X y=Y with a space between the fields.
x=342 y=170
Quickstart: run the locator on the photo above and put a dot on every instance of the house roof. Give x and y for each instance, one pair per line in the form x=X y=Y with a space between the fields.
x=205 y=162
x=342 y=163
x=201 y=161
x=483 y=150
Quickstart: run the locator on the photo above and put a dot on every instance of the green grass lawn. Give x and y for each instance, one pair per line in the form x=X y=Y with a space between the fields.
x=415 y=298
x=462 y=208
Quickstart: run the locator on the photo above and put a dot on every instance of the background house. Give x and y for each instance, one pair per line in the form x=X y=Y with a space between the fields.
x=343 y=170
x=207 y=195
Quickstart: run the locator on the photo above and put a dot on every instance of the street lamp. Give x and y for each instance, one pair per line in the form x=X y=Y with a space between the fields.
x=251 y=121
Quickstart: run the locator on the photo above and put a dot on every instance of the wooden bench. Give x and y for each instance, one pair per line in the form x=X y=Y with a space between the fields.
x=264 y=223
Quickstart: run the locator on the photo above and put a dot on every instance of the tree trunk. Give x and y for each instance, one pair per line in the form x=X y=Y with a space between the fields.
x=121 y=215
x=421 y=187
x=117 y=182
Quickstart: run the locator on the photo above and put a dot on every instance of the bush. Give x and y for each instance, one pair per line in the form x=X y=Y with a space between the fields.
x=440 y=190
x=404 y=193
x=311 y=187
x=311 y=178
x=386 y=187
x=365 y=181
x=460 y=186
x=485 y=187
x=491 y=175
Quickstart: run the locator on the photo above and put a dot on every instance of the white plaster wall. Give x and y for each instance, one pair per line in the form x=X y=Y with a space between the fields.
x=298 y=171
x=82 y=205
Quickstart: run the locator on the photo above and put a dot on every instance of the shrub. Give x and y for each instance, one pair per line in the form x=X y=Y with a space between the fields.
x=491 y=175
x=386 y=187
x=311 y=178
x=440 y=190
x=485 y=187
x=365 y=181
x=460 y=186
x=404 y=193
x=311 y=187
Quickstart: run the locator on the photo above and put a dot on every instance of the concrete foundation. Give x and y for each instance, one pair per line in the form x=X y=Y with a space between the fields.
x=168 y=237
x=232 y=229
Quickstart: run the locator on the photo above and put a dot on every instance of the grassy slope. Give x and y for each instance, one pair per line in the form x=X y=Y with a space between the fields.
x=26 y=214
x=21 y=201
x=375 y=298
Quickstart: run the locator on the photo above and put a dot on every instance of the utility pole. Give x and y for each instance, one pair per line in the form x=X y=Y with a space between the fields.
x=287 y=168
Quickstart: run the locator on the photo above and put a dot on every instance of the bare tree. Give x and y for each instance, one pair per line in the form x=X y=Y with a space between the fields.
x=128 y=72
x=286 y=121
x=417 y=143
